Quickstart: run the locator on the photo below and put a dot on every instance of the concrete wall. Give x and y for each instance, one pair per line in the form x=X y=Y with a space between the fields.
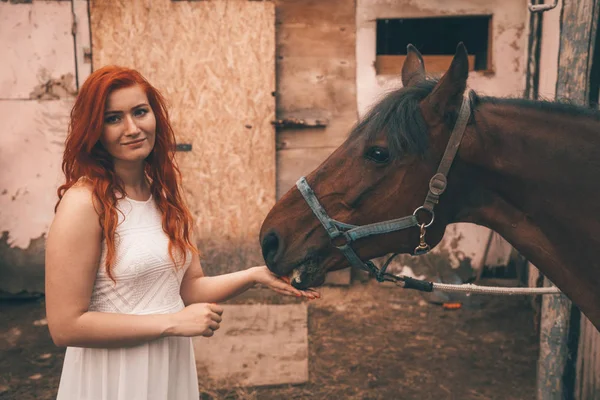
x=38 y=79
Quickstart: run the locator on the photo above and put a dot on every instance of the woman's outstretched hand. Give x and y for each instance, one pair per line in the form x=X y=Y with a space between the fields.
x=281 y=285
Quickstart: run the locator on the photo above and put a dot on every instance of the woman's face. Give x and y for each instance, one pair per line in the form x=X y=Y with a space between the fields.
x=129 y=125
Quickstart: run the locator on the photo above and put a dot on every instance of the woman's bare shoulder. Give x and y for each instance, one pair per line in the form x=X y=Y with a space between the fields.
x=78 y=201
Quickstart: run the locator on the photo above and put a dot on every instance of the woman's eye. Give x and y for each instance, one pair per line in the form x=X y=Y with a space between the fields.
x=379 y=155
x=111 y=119
x=140 y=112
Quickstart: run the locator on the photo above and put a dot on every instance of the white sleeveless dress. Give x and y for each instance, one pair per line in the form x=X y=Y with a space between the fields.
x=147 y=283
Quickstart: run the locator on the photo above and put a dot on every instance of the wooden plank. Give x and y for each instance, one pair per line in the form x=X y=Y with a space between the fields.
x=215 y=63
x=577 y=42
x=294 y=163
x=316 y=70
x=554 y=330
x=333 y=135
x=256 y=345
x=36 y=46
x=588 y=362
x=312 y=118
x=325 y=83
x=392 y=64
x=579 y=23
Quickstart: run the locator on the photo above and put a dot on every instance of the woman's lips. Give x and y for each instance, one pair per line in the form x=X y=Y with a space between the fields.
x=133 y=142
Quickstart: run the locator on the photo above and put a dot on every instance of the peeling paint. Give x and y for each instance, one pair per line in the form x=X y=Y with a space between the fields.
x=454 y=242
x=54 y=89
x=37 y=133
x=34 y=36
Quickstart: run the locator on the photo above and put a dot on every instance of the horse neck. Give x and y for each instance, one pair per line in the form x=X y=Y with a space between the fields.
x=529 y=155
x=535 y=145
x=531 y=174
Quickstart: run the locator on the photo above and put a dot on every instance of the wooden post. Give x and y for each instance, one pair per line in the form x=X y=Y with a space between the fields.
x=554 y=350
x=579 y=22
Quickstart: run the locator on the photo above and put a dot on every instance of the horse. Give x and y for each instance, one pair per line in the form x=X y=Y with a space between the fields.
x=433 y=153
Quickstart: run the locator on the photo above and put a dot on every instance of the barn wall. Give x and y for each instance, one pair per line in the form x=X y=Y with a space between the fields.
x=214 y=62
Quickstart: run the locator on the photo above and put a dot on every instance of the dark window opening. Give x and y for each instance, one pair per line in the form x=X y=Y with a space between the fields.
x=436 y=38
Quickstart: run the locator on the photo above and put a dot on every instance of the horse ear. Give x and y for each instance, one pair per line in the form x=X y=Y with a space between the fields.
x=413 y=70
x=447 y=94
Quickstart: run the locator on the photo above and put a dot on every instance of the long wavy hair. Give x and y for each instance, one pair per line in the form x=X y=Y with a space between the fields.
x=85 y=157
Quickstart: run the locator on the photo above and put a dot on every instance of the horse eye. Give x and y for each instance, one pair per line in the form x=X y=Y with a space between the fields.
x=379 y=155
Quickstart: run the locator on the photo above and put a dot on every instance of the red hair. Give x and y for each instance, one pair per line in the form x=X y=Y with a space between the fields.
x=85 y=157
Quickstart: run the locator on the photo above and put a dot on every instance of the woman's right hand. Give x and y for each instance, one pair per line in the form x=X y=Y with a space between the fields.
x=199 y=319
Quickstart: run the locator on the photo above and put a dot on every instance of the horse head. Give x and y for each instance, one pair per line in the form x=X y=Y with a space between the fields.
x=381 y=172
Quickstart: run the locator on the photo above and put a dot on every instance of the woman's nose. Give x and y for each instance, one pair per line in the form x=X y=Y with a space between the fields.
x=131 y=128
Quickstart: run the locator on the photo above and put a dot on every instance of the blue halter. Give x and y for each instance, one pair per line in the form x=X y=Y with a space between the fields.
x=350 y=233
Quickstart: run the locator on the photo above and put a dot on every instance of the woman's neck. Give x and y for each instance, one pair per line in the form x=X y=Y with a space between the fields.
x=134 y=180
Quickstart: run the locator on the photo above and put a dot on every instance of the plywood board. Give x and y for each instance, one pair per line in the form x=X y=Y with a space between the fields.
x=256 y=345
x=215 y=63
x=36 y=46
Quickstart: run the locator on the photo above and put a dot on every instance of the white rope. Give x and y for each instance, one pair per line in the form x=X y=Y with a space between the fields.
x=470 y=288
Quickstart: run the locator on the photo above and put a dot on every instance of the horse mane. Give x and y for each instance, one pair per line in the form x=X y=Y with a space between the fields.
x=397 y=114
x=563 y=106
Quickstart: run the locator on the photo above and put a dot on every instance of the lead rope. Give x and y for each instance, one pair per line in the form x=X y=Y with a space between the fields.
x=407 y=282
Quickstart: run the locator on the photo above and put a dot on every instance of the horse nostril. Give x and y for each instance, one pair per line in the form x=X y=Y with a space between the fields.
x=270 y=247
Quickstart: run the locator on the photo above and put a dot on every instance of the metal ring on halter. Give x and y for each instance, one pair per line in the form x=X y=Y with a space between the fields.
x=430 y=213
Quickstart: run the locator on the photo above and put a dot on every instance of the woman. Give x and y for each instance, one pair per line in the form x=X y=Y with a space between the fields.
x=125 y=291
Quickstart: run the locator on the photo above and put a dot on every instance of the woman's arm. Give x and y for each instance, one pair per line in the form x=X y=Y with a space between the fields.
x=72 y=257
x=197 y=288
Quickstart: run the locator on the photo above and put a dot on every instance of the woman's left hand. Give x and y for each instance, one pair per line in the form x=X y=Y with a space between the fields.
x=263 y=276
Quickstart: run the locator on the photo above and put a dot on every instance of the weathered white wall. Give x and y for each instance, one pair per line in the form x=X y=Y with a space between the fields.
x=507 y=78
x=38 y=80
x=549 y=53
x=36 y=44
x=509 y=43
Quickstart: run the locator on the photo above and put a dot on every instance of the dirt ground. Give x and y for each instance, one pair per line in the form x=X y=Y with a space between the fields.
x=366 y=341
